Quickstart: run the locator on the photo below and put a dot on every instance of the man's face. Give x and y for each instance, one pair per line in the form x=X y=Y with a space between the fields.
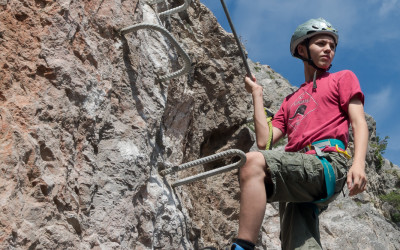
x=322 y=50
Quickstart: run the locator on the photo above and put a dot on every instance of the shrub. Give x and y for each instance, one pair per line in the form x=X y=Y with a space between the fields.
x=380 y=146
x=257 y=68
x=393 y=199
x=395 y=217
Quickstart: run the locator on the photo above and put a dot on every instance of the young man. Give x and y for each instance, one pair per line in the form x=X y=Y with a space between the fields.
x=314 y=168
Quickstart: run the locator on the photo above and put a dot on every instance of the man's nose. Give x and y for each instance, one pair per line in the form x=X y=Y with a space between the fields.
x=327 y=48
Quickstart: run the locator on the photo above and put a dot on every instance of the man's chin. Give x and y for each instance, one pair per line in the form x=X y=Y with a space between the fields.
x=324 y=66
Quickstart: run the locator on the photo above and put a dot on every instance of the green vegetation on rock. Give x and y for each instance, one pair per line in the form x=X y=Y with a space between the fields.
x=393 y=198
x=380 y=147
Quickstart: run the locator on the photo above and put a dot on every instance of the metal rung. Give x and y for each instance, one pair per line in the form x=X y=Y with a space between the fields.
x=201 y=161
x=177 y=9
x=174 y=10
x=165 y=32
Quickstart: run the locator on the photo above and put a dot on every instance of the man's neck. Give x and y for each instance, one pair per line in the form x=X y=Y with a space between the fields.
x=309 y=72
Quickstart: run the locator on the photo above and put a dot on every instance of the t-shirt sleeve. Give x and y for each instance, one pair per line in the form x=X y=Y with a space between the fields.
x=349 y=87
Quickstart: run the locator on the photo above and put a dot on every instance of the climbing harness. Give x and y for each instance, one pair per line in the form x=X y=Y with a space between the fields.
x=330 y=179
x=204 y=160
x=321 y=144
x=244 y=58
x=186 y=68
x=329 y=174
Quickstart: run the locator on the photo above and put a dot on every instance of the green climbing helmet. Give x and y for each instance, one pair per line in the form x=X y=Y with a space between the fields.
x=311 y=28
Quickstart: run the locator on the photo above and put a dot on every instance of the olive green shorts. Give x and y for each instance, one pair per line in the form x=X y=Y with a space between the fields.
x=298 y=177
x=297 y=180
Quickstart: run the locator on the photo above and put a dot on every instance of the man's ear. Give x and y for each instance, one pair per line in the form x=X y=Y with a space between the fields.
x=301 y=49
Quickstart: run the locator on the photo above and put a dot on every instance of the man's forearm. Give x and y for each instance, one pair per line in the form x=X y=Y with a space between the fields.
x=260 y=120
x=360 y=132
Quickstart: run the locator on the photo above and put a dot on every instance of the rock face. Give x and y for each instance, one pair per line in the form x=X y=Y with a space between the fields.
x=85 y=128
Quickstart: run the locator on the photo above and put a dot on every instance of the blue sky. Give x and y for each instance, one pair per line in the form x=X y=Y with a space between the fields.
x=369 y=45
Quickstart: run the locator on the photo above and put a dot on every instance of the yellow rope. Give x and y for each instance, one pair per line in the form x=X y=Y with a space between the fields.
x=343 y=152
x=270 y=136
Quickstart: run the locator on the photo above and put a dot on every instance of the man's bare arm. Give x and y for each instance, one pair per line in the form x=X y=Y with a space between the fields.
x=260 y=120
x=356 y=177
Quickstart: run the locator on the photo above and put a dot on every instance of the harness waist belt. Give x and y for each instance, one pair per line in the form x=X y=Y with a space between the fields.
x=324 y=143
x=318 y=145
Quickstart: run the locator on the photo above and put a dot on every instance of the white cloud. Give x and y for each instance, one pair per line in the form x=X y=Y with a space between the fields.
x=380 y=104
x=383 y=107
x=388 y=6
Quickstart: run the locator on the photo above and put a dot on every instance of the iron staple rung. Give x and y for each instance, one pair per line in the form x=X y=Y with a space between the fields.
x=204 y=160
x=180 y=8
x=165 y=32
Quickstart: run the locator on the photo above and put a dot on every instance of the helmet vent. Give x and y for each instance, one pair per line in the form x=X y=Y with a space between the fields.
x=315 y=27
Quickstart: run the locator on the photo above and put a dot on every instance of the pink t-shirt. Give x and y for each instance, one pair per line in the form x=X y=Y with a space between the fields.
x=310 y=115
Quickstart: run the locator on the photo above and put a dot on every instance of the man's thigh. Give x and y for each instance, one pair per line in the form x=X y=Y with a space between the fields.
x=295 y=177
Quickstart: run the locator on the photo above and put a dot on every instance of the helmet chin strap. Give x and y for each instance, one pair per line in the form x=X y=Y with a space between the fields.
x=311 y=63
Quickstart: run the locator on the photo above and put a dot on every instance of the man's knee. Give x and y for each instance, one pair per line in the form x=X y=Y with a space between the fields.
x=254 y=167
